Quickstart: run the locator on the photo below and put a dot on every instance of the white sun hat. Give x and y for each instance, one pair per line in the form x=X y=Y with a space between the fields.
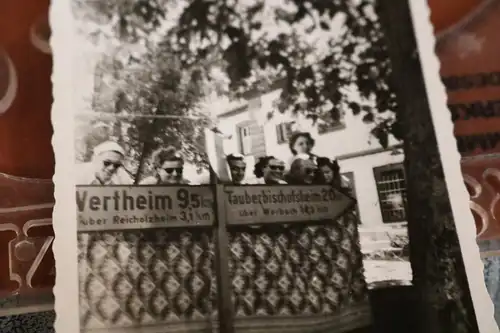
x=108 y=146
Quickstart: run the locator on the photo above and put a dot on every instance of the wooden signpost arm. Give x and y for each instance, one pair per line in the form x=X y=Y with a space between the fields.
x=224 y=303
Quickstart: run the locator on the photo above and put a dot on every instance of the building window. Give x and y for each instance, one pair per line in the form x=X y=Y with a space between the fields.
x=329 y=123
x=347 y=179
x=391 y=187
x=245 y=140
x=283 y=131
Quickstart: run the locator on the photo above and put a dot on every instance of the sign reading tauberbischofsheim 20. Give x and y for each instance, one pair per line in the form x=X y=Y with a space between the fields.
x=284 y=203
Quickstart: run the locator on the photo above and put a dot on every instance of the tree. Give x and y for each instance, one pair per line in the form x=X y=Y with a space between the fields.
x=435 y=254
x=239 y=38
x=164 y=103
x=145 y=100
x=319 y=66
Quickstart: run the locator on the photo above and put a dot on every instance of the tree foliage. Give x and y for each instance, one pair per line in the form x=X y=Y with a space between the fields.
x=144 y=99
x=322 y=50
x=146 y=90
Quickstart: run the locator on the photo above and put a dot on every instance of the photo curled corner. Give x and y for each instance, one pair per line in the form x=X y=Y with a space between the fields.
x=450 y=159
x=65 y=81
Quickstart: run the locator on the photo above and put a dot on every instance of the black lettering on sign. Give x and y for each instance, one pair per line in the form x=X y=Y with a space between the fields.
x=474 y=110
x=466 y=82
x=123 y=201
x=469 y=143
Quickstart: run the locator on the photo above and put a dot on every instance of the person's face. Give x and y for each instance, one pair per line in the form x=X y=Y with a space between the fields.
x=238 y=169
x=308 y=171
x=302 y=145
x=171 y=172
x=274 y=170
x=327 y=174
x=107 y=164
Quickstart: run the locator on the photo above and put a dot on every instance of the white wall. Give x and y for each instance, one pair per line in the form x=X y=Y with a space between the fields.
x=365 y=185
x=354 y=138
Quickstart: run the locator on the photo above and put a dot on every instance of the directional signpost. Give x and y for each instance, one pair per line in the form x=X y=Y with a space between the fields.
x=216 y=206
x=270 y=204
x=143 y=207
x=264 y=204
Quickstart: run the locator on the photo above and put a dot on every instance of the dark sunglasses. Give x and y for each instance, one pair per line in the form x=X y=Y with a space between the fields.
x=171 y=170
x=242 y=169
x=115 y=165
x=277 y=167
x=310 y=171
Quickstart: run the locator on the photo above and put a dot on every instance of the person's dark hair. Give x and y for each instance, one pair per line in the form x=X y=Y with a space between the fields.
x=295 y=136
x=294 y=177
x=162 y=155
x=325 y=161
x=234 y=157
x=333 y=165
x=258 y=170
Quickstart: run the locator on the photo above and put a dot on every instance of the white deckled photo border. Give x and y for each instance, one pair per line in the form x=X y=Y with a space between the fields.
x=450 y=159
x=65 y=242
x=65 y=80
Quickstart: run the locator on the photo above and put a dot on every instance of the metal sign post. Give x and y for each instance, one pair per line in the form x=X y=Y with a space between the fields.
x=224 y=303
x=264 y=204
x=216 y=206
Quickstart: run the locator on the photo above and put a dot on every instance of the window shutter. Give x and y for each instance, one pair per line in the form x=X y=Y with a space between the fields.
x=279 y=134
x=258 y=140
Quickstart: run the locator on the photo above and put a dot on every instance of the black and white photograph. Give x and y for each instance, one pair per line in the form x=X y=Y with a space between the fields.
x=256 y=166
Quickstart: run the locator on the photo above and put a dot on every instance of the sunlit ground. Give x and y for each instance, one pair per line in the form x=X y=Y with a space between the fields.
x=377 y=271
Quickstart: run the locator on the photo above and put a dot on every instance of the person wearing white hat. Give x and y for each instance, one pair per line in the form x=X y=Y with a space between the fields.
x=107 y=161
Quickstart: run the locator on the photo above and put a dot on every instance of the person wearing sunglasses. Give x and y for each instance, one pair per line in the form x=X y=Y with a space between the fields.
x=237 y=168
x=105 y=167
x=270 y=170
x=303 y=171
x=168 y=167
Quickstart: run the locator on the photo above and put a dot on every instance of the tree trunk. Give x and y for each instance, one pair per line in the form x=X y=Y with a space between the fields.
x=438 y=269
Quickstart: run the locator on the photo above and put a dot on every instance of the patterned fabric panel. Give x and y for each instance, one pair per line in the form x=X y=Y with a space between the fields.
x=145 y=277
x=297 y=270
x=166 y=278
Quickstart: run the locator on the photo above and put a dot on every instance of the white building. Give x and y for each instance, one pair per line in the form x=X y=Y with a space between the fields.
x=376 y=174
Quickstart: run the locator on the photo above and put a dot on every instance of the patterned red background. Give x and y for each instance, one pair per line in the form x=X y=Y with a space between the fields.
x=473 y=49
x=25 y=149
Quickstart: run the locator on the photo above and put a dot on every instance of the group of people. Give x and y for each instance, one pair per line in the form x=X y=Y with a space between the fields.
x=106 y=167
x=304 y=167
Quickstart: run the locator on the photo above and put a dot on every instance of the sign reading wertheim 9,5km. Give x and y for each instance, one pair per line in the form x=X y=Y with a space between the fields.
x=143 y=207
x=284 y=203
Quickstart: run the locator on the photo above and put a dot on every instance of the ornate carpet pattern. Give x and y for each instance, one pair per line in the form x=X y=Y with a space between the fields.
x=154 y=277
x=145 y=277
x=297 y=270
